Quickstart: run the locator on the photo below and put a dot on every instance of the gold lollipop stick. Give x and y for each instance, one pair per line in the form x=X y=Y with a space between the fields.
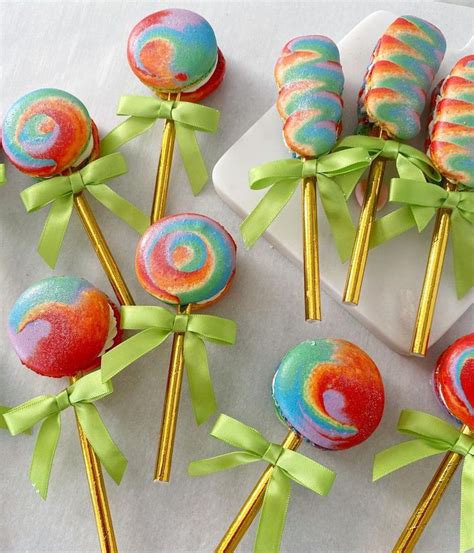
x=102 y=250
x=163 y=172
x=434 y=269
x=171 y=408
x=360 y=249
x=252 y=505
x=100 y=503
x=312 y=294
x=428 y=503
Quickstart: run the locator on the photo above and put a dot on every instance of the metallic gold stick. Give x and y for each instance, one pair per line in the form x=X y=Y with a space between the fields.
x=428 y=503
x=171 y=407
x=163 y=172
x=100 y=503
x=434 y=269
x=312 y=294
x=252 y=505
x=360 y=250
x=102 y=250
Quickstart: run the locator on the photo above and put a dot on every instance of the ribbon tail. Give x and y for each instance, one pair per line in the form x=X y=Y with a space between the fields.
x=54 y=229
x=123 y=355
x=120 y=207
x=348 y=181
x=192 y=157
x=462 y=234
x=257 y=222
x=43 y=455
x=199 y=380
x=391 y=225
x=467 y=505
x=3 y=424
x=219 y=463
x=274 y=508
x=98 y=436
x=123 y=133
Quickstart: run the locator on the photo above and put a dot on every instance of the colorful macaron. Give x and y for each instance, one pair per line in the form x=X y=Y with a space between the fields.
x=47 y=132
x=186 y=259
x=61 y=326
x=330 y=392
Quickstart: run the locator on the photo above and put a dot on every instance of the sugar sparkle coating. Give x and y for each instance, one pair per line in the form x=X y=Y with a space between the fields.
x=46 y=132
x=172 y=50
x=454 y=379
x=330 y=392
x=451 y=130
x=186 y=259
x=60 y=325
x=403 y=66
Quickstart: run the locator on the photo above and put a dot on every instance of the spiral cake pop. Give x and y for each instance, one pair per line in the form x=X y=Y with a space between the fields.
x=330 y=392
x=60 y=326
x=186 y=259
x=47 y=132
x=451 y=130
x=403 y=66
x=175 y=50
x=454 y=379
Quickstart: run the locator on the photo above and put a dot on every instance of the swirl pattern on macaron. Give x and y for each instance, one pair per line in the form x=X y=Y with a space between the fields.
x=186 y=259
x=403 y=66
x=319 y=45
x=330 y=392
x=451 y=130
x=61 y=325
x=46 y=132
x=454 y=379
x=172 y=50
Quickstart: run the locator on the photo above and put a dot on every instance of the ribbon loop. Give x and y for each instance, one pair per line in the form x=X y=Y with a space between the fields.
x=391 y=149
x=273 y=453
x=180 y=323
x=77 y=184
x=62 y=400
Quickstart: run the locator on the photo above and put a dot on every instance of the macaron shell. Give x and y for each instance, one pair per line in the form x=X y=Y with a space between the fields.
x=308 y=134
x=330 y=392
x=306 y=95
x=320 y=45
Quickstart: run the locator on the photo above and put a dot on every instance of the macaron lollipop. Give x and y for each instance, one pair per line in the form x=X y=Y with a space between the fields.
x=174 y=52
x=451 y=149
x=393 y=95
x=330 y=394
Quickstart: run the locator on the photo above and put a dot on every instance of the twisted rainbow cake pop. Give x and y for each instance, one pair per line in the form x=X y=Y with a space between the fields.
x=47 y=132
x=175 y=50
x=451 y=130
x=60 y=326
x=454 y=379
x=330 y=392
x=403 y=66
x=186 y=259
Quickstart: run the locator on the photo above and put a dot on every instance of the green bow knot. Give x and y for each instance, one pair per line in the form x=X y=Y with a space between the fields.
x=433 y=436
x=289 y=465
x=60 y=191
x=337 y=175
x=188 y=117
x=422 y=199
x=156 y=325
x=81 y=396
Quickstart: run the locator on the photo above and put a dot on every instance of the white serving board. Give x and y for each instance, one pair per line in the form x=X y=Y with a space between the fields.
x=395 y=271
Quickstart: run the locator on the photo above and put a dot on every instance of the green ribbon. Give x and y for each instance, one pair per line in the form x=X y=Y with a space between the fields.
x=157 y=324
x=188 y=118
x=80 y=396
x=2 y=174
x=3 y=410
x=288 y=464
x=433 y=436
x=60 y=191
x=337 y=174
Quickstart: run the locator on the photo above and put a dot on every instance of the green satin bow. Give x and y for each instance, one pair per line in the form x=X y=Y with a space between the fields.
x=288 y=464
x=60 y=191
x=433 y=436
x=188 y=118
x=80 y=396
x=336 y=173
x=2 y=174
x=157 y=324
x=3 y=410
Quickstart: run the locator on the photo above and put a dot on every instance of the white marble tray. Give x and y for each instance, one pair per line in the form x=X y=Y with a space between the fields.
x=394 y=271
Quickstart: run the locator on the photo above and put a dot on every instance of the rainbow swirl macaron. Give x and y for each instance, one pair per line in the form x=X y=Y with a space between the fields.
x=330 y=392
x=60 y=326
x=186 y=259
x=47 y=132
x=175 y=50
x=454 y=379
